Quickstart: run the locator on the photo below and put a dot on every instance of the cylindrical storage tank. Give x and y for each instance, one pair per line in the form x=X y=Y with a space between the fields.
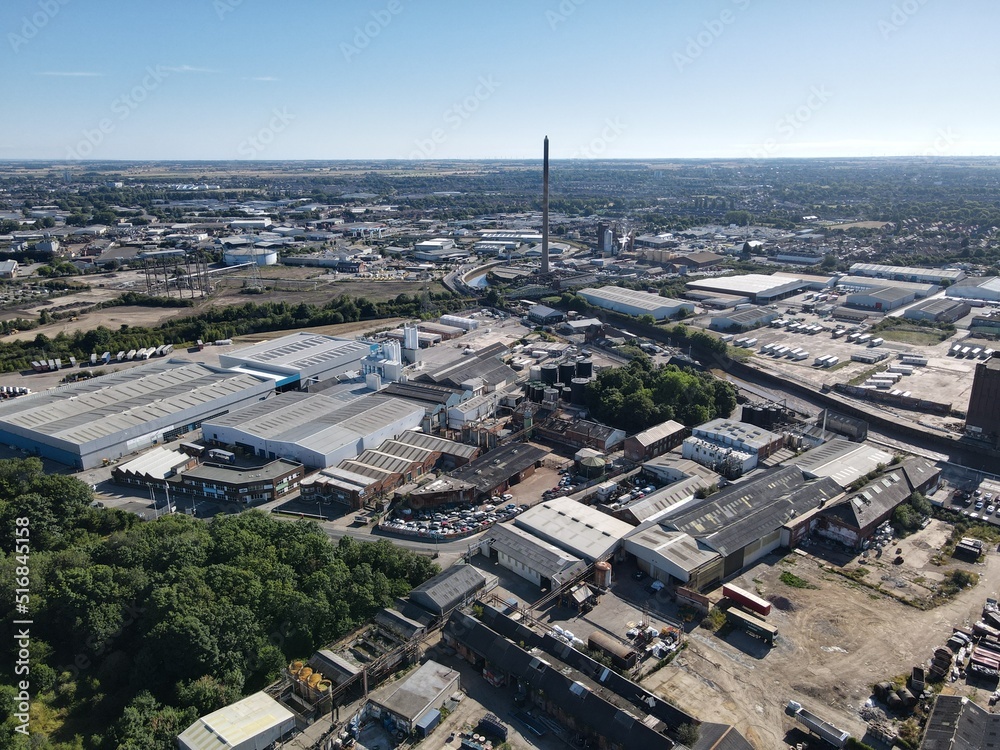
x=585 y=369
x=567 y=394
x=539 y=392
x=592 y=467
x=535 y=372
x=550 y=396
x=578 y=386
x=295 y=666
x=773 y=416
x=567 y=371
x=550 y=374
x=602 y=574
x=305 y=673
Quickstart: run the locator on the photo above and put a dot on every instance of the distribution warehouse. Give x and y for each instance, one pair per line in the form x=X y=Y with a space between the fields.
x=632 y=302
x=300 y=358
x=314 y=429
x=105 y=418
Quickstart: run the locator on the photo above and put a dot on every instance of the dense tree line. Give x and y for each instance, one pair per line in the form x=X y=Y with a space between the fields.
x=640 y=395
x=220 y=323
x=141 y=627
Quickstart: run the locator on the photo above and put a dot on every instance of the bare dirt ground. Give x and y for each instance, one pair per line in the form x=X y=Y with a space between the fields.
x=835 y=642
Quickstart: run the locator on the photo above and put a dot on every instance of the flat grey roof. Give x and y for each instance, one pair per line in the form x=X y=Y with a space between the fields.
x=414 y=694
x=82 y=412
x=494 y=468
x=747 y=434
x=300 y=350
x=235 y=475
x=315 y=421
x=935 y=306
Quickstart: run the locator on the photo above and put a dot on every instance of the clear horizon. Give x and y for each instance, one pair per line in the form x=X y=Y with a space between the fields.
x=386 y=80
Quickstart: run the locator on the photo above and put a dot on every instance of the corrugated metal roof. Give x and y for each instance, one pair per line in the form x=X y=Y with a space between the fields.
x=82 y=412
x=236 y=724
x=317 y=422
x=301 y=350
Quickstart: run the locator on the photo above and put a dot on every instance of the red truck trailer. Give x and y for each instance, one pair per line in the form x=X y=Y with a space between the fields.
x=743 y=597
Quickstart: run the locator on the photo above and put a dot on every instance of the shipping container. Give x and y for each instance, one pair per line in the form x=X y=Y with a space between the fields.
x=752 y=625
x=747 y=599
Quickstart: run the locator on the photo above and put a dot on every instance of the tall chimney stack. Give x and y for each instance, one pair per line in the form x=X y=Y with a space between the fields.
x=545 y=208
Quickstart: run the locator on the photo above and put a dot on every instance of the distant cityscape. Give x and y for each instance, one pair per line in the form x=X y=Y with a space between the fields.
x=636 y=454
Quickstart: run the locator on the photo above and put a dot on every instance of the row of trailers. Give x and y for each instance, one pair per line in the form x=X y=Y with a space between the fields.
x=50 y=365
x=970 y=352
x=779 y=350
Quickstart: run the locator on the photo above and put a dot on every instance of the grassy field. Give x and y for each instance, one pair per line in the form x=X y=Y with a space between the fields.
x=915 y=335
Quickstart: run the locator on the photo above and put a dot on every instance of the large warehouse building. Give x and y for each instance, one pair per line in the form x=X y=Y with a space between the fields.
x=704 y=542
x=757 y=287
x=108 y=417
x=314 y=429
x=937 y=276
x=986 y=288
x=632 y=302
x=300 y=358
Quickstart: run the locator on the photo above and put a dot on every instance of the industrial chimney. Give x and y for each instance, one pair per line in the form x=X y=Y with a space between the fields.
x=545 y=208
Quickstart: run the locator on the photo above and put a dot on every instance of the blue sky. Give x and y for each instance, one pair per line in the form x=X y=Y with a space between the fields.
x=398 y=79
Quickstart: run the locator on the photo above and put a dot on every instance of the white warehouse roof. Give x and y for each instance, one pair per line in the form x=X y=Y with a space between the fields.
x=118 y=413
x=579 y=529
x=299 y=353
x=751 y=284
x=256 y=721
x=634 y=302
x=315 y=429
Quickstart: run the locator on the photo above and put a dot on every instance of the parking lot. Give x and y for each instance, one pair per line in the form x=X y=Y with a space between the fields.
x=978 y=500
